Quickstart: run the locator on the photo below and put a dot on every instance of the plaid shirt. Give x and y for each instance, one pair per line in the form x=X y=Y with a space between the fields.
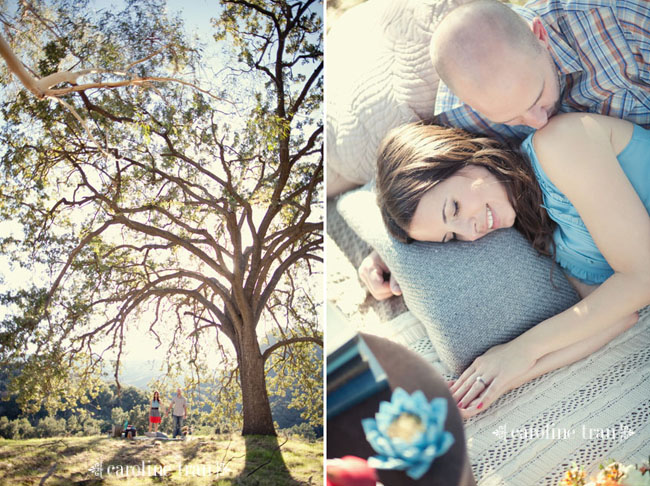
x=602 y=52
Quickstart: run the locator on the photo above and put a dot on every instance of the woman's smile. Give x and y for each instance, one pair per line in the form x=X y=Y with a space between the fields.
x=492 y=219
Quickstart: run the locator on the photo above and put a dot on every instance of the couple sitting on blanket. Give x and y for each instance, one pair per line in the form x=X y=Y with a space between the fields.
x=577 y=187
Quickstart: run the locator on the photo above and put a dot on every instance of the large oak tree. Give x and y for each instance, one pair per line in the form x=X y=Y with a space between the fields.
x=146 y=187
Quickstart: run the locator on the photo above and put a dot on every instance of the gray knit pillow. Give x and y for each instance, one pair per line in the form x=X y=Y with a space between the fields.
x=469 y=296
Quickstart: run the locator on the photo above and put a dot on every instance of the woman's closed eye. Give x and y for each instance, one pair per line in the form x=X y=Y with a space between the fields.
x=452 y=236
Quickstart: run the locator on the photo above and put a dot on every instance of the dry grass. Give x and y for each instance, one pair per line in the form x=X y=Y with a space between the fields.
x=211 y=460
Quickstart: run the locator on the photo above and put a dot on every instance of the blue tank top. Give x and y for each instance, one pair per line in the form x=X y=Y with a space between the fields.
x=155 y=404
x=575 y=249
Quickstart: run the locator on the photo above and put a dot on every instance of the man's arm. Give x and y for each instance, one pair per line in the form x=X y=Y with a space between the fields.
x=372 y=272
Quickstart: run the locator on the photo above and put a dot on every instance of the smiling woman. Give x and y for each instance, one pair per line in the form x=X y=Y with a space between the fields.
x=437 y=184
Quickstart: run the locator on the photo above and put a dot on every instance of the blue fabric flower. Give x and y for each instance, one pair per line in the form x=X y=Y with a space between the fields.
x=408 y=433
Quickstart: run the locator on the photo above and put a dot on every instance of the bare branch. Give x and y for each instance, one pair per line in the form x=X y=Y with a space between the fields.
x=73 y=255
x=290 y=341
x=16 y=67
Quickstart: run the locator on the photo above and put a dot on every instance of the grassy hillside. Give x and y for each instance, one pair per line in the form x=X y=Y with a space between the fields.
x=209 y=460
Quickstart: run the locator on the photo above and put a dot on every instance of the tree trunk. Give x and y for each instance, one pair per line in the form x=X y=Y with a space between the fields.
x=256 y=406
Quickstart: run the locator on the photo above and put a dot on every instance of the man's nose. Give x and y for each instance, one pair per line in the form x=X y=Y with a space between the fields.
x=536 y=117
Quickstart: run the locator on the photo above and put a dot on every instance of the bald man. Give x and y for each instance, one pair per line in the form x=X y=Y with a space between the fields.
x=518 y=66
x=505 y=70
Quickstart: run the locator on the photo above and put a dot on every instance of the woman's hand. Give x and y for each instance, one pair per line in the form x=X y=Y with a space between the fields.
x=500 y=369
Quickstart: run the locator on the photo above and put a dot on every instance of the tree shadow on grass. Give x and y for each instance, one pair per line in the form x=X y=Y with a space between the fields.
x=46 y=455
x=127 y=452
x=73 y=450
x=264 y=463
x=190 y=450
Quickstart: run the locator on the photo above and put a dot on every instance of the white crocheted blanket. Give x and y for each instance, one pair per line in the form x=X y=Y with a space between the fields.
x=588 y=413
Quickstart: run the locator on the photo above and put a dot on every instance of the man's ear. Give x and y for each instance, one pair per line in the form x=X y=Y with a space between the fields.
x=540 y=32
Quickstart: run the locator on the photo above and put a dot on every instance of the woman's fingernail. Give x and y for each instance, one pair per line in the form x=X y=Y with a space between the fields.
x=479 y=405
x=460 y=405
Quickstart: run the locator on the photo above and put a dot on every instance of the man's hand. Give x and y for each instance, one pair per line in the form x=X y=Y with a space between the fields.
x=372 y=271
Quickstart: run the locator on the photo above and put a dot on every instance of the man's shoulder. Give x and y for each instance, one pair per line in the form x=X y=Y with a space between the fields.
x=552 y=10
x=542 y=7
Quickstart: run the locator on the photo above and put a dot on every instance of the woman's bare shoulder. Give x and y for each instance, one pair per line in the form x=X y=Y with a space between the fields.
x=582 y=128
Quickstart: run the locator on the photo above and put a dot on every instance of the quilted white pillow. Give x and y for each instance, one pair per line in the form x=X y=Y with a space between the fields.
x=379 y=76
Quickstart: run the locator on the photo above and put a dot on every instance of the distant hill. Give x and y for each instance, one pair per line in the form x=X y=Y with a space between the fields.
x=139 y=373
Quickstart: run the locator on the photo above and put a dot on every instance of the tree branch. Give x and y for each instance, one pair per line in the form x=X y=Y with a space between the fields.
x=288 y=342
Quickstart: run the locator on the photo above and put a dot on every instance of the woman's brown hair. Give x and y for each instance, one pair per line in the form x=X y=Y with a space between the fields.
x=414 y=158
